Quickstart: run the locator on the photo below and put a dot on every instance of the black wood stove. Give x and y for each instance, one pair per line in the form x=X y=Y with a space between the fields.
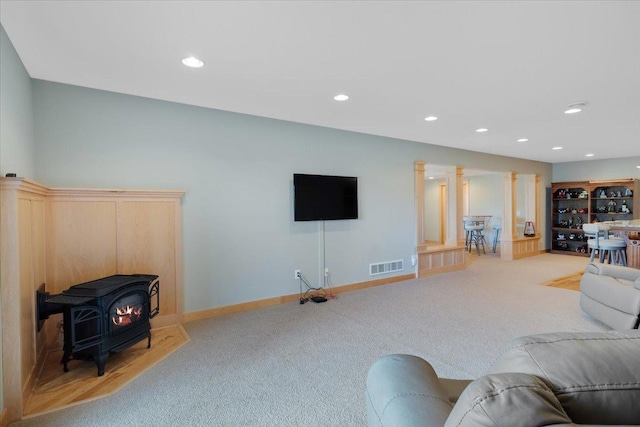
x=103 y=316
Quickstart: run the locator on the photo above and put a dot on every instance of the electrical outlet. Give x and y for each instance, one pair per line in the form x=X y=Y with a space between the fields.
x=296 y=274
x=413 y=260
x=326 y=272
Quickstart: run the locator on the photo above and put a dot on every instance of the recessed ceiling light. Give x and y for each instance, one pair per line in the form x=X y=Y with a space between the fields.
x=557 y=148
x=193 y=62
x=433 y=177
x=523 y=140
x=341 y=97
x=576 y=107
x=431 y=118
x=638 y=167
x=481 y=130
x=589 y=155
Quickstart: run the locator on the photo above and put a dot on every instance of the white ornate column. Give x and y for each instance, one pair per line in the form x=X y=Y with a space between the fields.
x=513 y=246
x=418 y=172
x=11 y=326
x=454 y=206
x=508 y=215
x=531 y=201
x=22 y=270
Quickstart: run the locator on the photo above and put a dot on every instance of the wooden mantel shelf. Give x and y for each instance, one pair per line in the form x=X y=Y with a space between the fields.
x=27 y=185
x=93 y=192
x=7 y=183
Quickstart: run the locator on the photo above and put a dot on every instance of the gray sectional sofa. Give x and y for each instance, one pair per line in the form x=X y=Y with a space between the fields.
x=556 y=379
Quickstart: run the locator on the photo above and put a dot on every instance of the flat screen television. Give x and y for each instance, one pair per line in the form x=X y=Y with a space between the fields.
x=324 y=197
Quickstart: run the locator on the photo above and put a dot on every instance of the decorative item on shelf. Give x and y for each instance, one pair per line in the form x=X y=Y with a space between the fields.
x=628 y=192
x=579 y=222
x=582 y=210
x=574 y=210
x=624 y=208
x=603 y=194
x=528 y=229
x=612 y=194
x=583 y=195
x=602 y=209
x=562 y=210
x=618 y=194
x=582 y=249
x=569 y=223
x=560 y=194
x=563 y=246
x=611 y=206
x=572 y=236
x=561 y=236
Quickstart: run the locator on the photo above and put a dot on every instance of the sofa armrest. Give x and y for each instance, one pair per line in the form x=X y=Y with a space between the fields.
x=516 y=399
x=595 y=375
x=405 y=390
x=615 y=271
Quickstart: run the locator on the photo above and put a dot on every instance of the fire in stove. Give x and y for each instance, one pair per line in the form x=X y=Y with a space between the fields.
x=127 y=315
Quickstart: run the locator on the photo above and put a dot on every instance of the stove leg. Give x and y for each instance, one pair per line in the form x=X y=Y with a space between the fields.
x=101 y=360
x=65 y=359
x=149 y=342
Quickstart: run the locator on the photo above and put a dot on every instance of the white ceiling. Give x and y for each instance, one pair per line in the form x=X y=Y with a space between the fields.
x=510 y=66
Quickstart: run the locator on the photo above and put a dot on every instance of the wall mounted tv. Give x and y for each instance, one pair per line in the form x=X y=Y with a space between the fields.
x=323 y=197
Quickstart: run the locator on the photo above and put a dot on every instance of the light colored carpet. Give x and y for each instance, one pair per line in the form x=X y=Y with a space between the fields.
x=305 y=365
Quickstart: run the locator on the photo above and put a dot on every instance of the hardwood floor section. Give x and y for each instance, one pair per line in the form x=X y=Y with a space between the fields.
x=571 y=282
x=56 y=389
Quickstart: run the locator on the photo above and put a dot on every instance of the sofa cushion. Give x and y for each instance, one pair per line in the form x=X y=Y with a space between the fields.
x=507 y=399
x=615 y=319
x=613 y=292
x=594 y=375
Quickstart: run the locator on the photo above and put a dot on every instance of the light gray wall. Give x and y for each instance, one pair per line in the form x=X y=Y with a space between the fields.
x=432 y=209
x=240 y=241
x=17 y=143
x=594 y=170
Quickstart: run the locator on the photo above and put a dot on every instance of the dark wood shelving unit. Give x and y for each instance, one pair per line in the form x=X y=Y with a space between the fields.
x=578 y=202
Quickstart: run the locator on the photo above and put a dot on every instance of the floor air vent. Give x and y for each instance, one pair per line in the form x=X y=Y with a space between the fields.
x=386 y=267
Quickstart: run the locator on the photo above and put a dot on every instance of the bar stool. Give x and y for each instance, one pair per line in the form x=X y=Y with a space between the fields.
x=496 y=229
x=614 y=249
x=474 y=233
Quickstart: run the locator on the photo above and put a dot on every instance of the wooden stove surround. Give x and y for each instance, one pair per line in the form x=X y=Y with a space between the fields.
x=62 y=237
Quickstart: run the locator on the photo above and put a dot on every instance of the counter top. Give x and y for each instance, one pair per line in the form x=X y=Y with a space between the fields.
x=631 y=225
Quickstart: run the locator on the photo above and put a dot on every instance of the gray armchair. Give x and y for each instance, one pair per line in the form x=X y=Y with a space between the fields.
x=558 y=379
x=611 y=294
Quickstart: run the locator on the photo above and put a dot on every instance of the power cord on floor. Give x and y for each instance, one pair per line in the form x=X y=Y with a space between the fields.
x=327 y=281
x=311 y=294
